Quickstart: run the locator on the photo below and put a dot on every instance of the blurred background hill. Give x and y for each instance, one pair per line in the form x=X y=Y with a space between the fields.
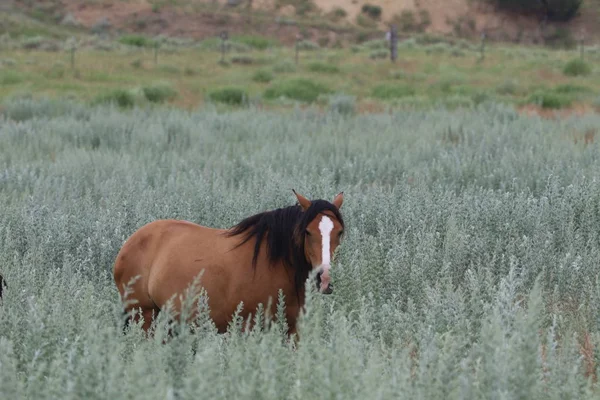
x=330 y=21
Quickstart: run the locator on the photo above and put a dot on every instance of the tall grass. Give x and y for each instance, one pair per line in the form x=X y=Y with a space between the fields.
x=470 y=268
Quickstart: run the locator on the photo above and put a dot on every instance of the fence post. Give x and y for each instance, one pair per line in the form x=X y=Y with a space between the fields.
x=156 y=52
x=582 y=44
x=298 y=40
x=482 y=50
x=73 y=58
x=224 y=37
x=71 y=47
x=393 y=43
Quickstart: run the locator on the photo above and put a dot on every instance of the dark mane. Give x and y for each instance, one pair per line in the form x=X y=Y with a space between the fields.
x=283 y=230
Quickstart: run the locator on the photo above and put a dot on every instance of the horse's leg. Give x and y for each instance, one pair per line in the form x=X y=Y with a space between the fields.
x=293 y=335
x=126 y=322
x=146 y=312
x=292 y=320
x=138 y=300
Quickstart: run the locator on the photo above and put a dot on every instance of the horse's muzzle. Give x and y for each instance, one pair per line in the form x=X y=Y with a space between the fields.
x=329 y=289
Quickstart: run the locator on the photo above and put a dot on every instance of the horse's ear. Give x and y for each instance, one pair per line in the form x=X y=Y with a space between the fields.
x=339 y=199
x=304 y=202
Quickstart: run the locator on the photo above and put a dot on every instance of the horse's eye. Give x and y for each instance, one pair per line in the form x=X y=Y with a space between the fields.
x=307 y=233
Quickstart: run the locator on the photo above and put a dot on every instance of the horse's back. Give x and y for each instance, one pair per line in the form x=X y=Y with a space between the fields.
x=154 y=239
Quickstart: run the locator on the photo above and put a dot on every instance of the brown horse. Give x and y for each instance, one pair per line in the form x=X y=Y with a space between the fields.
x=248 y=263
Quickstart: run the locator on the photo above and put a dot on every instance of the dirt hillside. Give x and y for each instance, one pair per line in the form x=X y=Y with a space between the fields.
x=468 y=17
x=203 y=18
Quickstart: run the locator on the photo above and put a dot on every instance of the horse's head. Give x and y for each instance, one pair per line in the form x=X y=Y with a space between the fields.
x=322 y=233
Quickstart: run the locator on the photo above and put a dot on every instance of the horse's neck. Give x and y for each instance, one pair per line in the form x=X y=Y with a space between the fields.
x=281 y=276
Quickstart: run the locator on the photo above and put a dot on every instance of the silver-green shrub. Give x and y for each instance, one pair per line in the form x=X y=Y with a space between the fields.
x=470 y=268
x=342 y=104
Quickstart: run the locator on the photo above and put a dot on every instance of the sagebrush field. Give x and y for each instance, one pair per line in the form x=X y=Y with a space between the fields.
x=470 y=267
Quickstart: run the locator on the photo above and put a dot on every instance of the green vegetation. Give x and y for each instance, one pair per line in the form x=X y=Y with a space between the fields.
x=229 y=95
x=159 y=93
x=243 y=59
x=56 y=71
x=324 y=68
x=430 y=71
x=371 y=10
x=136 y=41
x=392 y=91
x=286 y=66
x=508 y=87
x=337 y=14
x=297 y=89
x=379 y=54
x=10 y=77
x=469 y=267
x=407 y=21
x=302 y=7
x=137 y=63
x=570 y=88
x=365 y=21
x=342 y=104
x=551 y=99
x=307 y=45
x=256 y=42
x=262 y=76
x=377 y=44
x=577 y=67
x=120 y=97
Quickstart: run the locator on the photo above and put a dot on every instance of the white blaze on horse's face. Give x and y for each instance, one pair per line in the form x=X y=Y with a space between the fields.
x=325 y=227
